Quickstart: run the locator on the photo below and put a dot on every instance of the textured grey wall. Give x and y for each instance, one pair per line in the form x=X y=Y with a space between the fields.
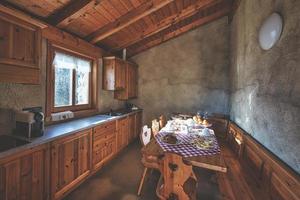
x=187 y=73
x=265 y=98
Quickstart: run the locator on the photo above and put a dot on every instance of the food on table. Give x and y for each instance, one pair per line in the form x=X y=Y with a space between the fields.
x=203 y=143
x=205 y=122
x=197 y=119
x=170 y=139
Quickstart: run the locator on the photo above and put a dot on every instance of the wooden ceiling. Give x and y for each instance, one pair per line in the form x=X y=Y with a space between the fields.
x=136 y=25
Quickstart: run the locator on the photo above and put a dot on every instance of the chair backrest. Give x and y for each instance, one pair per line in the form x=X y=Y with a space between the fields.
x=145 y=136
x=162 y=121
x=155 y=127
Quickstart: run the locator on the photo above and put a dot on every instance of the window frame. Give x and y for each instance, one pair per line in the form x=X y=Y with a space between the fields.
x=78 y=110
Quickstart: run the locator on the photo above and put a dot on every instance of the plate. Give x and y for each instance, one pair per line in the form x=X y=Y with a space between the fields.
x=204 y=126
x=170 y=139
x=203 y=143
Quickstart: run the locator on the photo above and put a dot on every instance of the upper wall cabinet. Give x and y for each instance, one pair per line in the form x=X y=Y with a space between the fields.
x=131 y=85
x=114 y=73
x=20 y=49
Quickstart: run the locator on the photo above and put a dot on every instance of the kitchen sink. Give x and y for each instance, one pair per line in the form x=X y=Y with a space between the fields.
x=8 y=142
x=117 y=113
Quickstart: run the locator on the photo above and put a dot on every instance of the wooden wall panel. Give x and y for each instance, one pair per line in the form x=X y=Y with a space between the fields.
x=277 y=180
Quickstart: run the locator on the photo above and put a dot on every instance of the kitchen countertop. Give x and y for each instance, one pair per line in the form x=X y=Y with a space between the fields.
x=57 y=131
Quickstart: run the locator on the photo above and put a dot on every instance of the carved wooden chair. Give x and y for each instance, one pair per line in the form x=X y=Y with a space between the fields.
x=148 y=160
x=178 y=181
x=162 y=121
x=155 y=127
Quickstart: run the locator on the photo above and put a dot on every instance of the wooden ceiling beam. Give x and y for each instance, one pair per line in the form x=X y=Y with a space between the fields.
x=73 y=10
x=127 y=19
x=169 y=21
x=201 y=21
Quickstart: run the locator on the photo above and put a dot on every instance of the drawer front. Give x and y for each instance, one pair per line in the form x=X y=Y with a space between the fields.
x=105 y=129
x=104 y=136
x=102 y=150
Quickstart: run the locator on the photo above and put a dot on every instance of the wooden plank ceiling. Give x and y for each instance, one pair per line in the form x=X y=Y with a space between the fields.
x=136 y=25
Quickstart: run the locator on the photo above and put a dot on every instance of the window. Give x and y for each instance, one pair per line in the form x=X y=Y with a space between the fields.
x=73 y=81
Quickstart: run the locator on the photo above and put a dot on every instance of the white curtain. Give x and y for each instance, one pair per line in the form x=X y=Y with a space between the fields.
x=66 y=61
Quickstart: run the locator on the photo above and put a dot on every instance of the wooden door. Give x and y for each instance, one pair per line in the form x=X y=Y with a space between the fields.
x=138 y=124
x=122 y=133
x=25 y=176
x=70 y=162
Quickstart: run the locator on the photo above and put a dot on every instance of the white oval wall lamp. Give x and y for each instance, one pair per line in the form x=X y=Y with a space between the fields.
x=270 y=31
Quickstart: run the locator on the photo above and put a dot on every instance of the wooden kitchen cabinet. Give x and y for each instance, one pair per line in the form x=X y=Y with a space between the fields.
x=131 y=86
x=70 y=162
x=122 y=133
x=138 y=123
x=104 y=143
x=114 y=73
x=20 y=50
x=25 y=175
x=131 y=127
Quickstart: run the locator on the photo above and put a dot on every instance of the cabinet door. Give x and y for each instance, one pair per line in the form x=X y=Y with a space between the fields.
x=138 y=123
x=70 y=164
x=20 y=50
x=131 y=127
x=5 y=36
x=130 y=90
x=122 y=133
x=102 y=151
x=120 y=73
x=114 y=74
x=104 y=143
x=25 y=177
x=132 y=80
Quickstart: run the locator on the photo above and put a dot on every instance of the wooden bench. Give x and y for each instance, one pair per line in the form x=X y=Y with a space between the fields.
x=254 y=172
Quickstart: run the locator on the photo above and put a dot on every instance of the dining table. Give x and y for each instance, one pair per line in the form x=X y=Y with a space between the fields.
x=188 y=153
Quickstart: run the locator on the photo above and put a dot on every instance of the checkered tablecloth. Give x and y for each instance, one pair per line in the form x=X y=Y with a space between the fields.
x=185 y=147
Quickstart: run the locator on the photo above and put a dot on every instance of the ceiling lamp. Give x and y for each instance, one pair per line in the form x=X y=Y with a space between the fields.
x=270 y=31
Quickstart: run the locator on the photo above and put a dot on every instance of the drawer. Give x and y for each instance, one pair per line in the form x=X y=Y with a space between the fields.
x=103 y=136
x=102 y=151
x=104 y=129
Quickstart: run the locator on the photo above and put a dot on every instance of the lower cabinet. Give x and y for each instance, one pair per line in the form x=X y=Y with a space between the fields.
x=70 y=162
x=138 y=124
x=25 y=176
x=122 y=133
x=131 y=127
x=52 y=170
x=104 y=143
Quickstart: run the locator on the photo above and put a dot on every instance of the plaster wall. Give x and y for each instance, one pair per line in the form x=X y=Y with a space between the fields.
x=186 y=74
x=265 y=85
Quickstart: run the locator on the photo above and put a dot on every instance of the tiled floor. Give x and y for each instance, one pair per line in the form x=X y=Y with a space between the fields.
x=119 y=180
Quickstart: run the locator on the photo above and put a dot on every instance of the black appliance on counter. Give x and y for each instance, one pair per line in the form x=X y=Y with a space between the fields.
x=30 y=122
